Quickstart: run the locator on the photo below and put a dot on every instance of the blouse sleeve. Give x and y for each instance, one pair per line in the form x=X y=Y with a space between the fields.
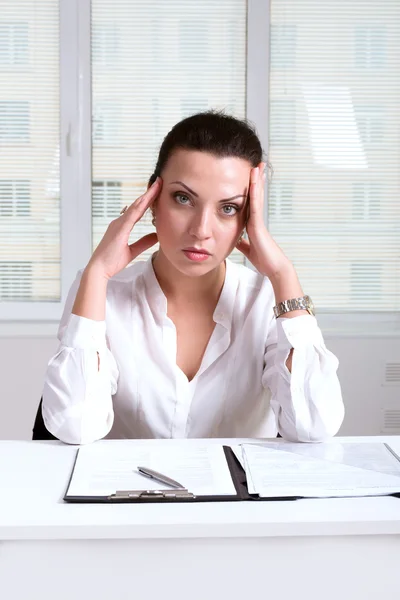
x=307 y=402
x=80 y=379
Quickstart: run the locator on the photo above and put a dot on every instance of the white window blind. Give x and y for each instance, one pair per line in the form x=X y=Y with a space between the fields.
x=335 y=149
x=154 y=63
x=14 y=41
x=29 y=137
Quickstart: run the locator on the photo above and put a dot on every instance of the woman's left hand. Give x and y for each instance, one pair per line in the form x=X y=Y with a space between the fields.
x=261 y=249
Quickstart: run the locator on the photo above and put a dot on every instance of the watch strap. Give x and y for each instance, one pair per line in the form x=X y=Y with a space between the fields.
x=302 y=303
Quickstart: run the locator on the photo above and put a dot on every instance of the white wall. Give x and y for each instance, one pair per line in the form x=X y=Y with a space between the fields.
x=23 y=363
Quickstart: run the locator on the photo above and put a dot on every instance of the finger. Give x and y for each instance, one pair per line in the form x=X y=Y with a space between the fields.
x=146 y=199
x=261 y=179
x=141 y=204
x=254 y=173
x=257 y=193
x=244 y=247
x=250 y=195
x=143 y=244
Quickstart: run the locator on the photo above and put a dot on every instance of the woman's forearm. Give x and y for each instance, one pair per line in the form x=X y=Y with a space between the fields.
x=90 y=301
x=286 y=286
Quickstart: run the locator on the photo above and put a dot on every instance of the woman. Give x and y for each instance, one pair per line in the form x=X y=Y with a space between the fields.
x=187 y=344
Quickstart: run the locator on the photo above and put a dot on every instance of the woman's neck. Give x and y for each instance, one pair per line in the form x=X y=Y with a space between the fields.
x=178 y=287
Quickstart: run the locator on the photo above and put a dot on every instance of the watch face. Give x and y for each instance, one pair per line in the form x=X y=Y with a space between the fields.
x=311 y=307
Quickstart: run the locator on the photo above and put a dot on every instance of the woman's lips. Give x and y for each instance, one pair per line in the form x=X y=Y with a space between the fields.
x=196 y=255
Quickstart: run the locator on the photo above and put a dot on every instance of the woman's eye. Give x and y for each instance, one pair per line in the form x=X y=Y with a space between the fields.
x=181 y=198
x=229 y=209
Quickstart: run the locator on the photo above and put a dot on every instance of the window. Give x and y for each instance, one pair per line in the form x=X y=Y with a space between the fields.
x=280 y=199
x=366 y=284
x=14 y=121
x=14 y=44
x=189 y=106
x=370 y=45
x=366 y=201
x=333 y=130
x=283 y=46
x=371 y=122
x=14 y=198
x=282 y=122
x=106 y=123
x=106 y=199
x=126 y=73
x=15 y=281
x=177 y=60
x=30 y=225
x=105 y=44
x=194 y=38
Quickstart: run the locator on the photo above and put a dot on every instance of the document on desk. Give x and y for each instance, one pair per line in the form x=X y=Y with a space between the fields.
x=321 y=470
x=103 y=468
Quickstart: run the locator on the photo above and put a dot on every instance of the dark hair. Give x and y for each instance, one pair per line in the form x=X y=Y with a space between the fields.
x=211 y=131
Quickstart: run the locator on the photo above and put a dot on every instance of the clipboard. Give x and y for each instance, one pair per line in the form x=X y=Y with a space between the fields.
x=144 y=496
x=234 y=471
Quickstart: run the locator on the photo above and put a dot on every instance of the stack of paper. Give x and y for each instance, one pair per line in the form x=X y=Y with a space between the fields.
x=321 y=470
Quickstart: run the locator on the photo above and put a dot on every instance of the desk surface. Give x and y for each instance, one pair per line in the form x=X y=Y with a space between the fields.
x=34 y=476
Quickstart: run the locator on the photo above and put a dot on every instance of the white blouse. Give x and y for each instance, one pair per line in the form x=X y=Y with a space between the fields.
x=242 y=389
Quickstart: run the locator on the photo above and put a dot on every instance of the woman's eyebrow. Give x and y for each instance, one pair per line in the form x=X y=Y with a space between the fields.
x=194 y=193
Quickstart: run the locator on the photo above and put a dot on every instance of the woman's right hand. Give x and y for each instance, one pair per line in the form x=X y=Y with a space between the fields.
x=113 y=252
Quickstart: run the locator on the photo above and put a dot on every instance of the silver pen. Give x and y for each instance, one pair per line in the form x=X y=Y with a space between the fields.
x=160 y=477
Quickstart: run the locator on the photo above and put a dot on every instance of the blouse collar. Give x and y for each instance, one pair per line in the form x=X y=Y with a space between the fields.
x=223 y=312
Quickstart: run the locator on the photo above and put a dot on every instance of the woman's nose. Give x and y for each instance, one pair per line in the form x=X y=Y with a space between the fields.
x=200 y=225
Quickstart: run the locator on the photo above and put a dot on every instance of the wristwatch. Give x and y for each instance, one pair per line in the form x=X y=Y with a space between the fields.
x=303 y=303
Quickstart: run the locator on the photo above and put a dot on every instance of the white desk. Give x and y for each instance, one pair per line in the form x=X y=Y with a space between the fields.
x=333 y=549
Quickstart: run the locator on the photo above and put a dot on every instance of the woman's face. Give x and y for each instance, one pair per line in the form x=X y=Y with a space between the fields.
x=201 y=210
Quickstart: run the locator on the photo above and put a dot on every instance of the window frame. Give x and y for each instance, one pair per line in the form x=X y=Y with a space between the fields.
x=38 y=319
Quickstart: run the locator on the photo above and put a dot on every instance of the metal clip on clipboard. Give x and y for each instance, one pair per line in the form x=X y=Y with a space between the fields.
x=178 y=491
x=147 y=494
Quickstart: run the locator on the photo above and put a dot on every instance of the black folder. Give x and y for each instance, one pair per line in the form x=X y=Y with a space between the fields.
x=176 y=495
